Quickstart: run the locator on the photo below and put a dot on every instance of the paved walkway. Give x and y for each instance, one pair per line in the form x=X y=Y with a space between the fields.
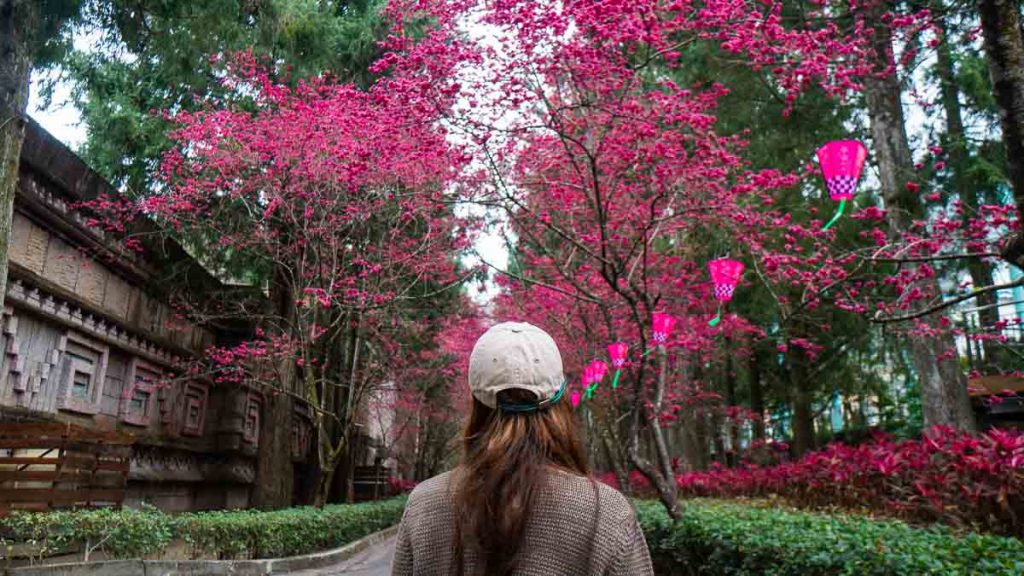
x=373 y=561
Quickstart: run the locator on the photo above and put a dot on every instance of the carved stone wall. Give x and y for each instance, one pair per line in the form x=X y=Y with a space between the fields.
x=84 y=340
x=46 y=259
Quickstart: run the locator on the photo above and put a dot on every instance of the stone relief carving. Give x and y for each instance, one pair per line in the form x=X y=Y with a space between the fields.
x=14 y=362
x=89 y=324
x=193 y=418
x=151 y=463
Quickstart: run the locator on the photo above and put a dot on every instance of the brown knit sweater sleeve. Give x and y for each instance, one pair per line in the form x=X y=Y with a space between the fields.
x=632 y=557
x=402 y=565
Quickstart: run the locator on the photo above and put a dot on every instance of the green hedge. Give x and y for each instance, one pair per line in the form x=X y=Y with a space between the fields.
x=720 y=537
x=289 y=532
x=121 y=533
x=223 y=534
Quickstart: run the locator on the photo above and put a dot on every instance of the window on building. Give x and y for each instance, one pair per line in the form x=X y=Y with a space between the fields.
x=83 y=364
x=137 y=401
x=251 y=428
x=80 y=384
x=195 y=409
x=140 y=402
x=82 y=368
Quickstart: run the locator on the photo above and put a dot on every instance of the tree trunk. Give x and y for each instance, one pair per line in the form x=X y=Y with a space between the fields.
x=337 y=442
x=756 y=395
x=274 y=485
x=664 y=483
x=347 y=410
x=803 y=413
x=18 y=19
x=323 y=486
x=661 y=447
x=616 y=463
x=732 y=428
x=419 y=450
x=956 y=146
x=1000 y=26
x=274 y=478
x=944 y=397
x=689 y=436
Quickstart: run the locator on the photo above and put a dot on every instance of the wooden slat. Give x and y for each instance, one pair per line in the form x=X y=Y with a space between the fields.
x=56 y=475
x=15 y=495
x=80 y=462
x=18 y=460
x=78 y=466
x=28 y=476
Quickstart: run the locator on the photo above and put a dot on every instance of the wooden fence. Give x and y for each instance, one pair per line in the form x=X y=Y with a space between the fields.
x=56 y=465
x=371 y=483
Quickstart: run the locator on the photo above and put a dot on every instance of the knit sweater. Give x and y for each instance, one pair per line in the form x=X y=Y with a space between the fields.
x=579 y=527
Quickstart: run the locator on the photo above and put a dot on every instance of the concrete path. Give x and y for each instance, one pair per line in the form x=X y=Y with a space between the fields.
x=373 y=561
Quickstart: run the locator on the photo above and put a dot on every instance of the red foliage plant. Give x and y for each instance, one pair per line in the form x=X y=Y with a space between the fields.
x=947 y=476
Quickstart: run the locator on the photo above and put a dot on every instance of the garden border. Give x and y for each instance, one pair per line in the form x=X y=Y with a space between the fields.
x=206 y=567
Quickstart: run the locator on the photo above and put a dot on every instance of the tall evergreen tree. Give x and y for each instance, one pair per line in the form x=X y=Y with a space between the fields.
x=33 y=33
x=156 y=55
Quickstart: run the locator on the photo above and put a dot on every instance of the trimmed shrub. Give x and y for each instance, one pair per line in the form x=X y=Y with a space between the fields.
x=722 y=537
x=123 y=533
x=288 y=532
x=130 y=533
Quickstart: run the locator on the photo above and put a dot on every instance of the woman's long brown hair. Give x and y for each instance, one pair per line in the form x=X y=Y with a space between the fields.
x=507 y=456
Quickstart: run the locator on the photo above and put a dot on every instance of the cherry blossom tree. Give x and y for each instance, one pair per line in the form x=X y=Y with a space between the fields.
x=615 y=188
x=334 y=202
x=615 y=184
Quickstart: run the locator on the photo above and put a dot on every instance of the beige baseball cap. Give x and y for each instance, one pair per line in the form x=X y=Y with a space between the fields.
x=516 y=355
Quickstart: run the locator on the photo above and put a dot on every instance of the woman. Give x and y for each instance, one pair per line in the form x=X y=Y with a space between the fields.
x=522 y=502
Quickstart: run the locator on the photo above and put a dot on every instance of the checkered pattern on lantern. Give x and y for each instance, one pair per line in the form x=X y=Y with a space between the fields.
x=724 y=291
x=618 y=363
x=660 y=337
x=841 y=187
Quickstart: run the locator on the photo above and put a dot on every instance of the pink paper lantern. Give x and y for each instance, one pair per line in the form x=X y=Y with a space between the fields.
x=661 y=326
x=574 y=398
x=725 y=275
x=841 y=164
x=617 y=352
x=599 y=370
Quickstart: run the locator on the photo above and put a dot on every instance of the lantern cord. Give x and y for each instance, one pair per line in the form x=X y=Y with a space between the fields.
x=839 y=212
x=718 y=317
x=615 y=380
x=649 y=350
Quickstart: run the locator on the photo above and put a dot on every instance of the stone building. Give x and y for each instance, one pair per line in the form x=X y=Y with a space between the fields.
x=85 y=340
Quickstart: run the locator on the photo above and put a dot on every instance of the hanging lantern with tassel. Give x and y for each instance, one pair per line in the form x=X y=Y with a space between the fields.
x=841 y=164
x=661 y=327
x=617 y=353
x=725 y=275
